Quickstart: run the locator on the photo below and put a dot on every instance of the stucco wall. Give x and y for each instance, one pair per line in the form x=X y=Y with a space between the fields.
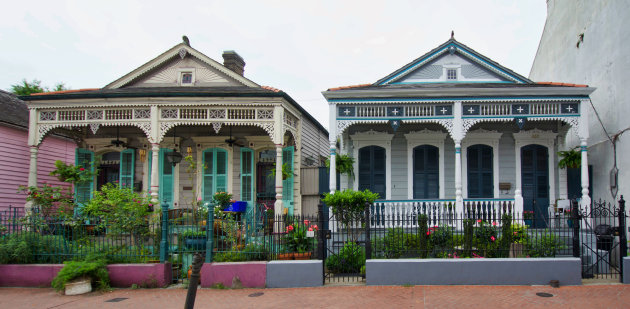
x=601 y=61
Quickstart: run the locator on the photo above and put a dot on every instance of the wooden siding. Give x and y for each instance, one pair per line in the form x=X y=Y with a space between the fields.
x=314 y=143
x=399 y=167
x=15 y=161
x=310 y=190
x=507 y=164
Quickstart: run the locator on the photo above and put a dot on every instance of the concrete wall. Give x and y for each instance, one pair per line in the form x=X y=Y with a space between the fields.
x=291 y=274
x=626 y=270
x=474 y=271
x=601 y=60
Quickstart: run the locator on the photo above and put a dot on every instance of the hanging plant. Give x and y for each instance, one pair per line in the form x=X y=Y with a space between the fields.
x=570 y=158
x=344 y=164
x=287 y=172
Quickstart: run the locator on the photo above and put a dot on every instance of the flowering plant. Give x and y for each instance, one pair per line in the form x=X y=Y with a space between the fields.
x=72 y=173
x=222 y=199
x=295 y=238
x=567 y=211
x=50 y=199
x=528 y=214
x=519 y=233
x=486 y=233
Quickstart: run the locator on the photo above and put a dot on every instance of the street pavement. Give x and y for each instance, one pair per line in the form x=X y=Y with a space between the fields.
x=586 y=296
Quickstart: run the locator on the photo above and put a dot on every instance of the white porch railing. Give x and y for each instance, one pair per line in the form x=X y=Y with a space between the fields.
x=389 y=214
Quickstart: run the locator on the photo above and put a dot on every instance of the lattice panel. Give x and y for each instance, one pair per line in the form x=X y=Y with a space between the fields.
x=265 y=114
x=169 y=114
x=290 y=120
x=48 y=116
x=217 y=114
x=141 y=113
x=71 y=115
x=94 y=115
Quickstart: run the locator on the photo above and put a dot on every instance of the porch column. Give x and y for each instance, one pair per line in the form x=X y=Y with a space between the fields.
x=32 y=175
x=155 y=174
x=278 y=205
x=586 y=200
x=332 y=139
x=583 y=134
x=33 y=148
x=459 y=201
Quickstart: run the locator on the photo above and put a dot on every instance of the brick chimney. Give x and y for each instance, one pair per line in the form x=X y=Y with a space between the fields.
x=234 y=62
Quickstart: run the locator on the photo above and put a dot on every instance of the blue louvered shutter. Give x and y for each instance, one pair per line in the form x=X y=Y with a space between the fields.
x=480 y=171
x=372 y=167
x=287 y=184
x=127 y=167
x=166 y=178
x=247 y=172
x=426 y=172
x=208 y=175
x=83 y=191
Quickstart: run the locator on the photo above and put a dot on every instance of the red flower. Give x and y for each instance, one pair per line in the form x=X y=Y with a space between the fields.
x=290 y=228
x=494 y=223
x=314 y=226
x=306 y=222
x=428 y=233
x=492 y=238
x=310 y=229
x=82 y=169
x=479 y=221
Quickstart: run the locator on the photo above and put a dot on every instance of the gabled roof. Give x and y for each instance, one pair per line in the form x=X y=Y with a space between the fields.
x=14 y=110
x=453 y=46
x=179 y=50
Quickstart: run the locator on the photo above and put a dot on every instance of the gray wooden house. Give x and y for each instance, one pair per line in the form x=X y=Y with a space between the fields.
x=454 y=131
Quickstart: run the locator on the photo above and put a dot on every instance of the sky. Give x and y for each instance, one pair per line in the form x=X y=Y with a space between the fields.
x=300 y=47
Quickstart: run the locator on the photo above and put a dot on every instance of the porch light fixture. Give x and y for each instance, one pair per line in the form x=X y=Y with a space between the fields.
x=143 y=154
x=174 y=156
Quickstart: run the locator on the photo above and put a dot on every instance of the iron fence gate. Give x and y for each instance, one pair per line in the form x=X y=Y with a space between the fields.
x=343 y=246
x=599 y=239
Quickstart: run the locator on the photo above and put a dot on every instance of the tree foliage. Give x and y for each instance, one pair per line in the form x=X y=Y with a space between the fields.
x=34 y=86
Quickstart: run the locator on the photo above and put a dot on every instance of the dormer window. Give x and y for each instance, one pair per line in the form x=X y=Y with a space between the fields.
x=186 y=78
x=451 y=74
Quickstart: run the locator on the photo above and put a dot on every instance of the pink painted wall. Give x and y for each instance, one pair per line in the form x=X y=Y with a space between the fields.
x=15 y=161
x=120 y=275
x=251 y=274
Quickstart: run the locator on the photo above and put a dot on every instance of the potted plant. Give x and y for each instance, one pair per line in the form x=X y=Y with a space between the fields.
x=344 y=164
x=77 y=277
x=570 y=158
x=298 y=244
x=528 y=217
x=194 y=240
x=287 y=172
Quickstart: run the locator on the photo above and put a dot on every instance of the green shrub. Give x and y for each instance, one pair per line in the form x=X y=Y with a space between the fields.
x=545 y=245
x=20 y=248
x=230 y=256
x=93 y=267
x=442 y=237
x=506 y=234
x=349 y=260
x=468 y=237
x=423 y=230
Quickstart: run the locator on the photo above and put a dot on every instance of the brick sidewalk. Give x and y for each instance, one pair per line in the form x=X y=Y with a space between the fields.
x=591 y=296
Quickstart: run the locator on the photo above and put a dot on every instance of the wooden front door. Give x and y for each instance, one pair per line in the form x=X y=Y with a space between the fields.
x=535 y=182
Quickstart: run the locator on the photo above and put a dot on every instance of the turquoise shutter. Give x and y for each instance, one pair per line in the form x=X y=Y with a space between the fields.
x=214 y=172
x=287 y=184
x=150 y=162
x=166 y=178
x=83 y=191
x=221 y=170
x=208 y=175
x=247 y=171
x=127 y=167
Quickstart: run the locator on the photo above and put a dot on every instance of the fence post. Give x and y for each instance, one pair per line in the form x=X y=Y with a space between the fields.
x=576 y=218
x=321 y=237
x=164 y=242
x=209 y=235
x=623 y=245
x=368 y=242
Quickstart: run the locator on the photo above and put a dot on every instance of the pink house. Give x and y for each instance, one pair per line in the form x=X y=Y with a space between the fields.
x=15 y=158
